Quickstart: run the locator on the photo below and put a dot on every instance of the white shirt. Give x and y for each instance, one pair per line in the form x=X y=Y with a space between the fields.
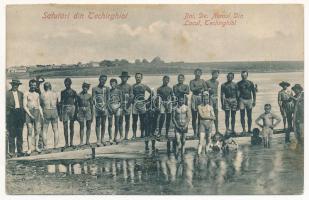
x=17 y=105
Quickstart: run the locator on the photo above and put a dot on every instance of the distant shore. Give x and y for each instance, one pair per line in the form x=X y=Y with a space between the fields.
x=166 y=68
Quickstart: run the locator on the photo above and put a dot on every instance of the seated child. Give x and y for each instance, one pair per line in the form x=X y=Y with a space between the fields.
x=229 y=144
x=270 y=121
x=255 y=138
x=217 y=141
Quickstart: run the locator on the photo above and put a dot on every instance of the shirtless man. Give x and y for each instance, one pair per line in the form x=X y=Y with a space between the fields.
x=229 y=96
x=197 y=86
x=181 y=118
x=68 y=110
x=247 y=100
x=127 y=104
x=39 y=80
x=181 y=90
x=165 y=94
x=150 y=121
x=212 y=85
x=270 y=121
x=84 y=112
x=115 y=105
x=139 y=106
x=207 y=116
x=34 y=115
x=50 y=105
x=100 y=96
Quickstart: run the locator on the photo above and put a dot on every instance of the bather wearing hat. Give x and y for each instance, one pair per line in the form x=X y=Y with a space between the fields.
x=127 y=106
x=286 y=105
x=15 y=118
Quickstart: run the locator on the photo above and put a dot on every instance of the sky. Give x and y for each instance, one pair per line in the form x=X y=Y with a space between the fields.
x=265 y=32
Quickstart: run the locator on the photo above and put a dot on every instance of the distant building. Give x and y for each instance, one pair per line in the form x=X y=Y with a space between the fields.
x=94 y=64
x=18 y=69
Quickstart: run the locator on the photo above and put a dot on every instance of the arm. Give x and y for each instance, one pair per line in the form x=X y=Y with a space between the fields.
x=131 y=96
x=93 y=98
x=205 y=86
x=277 y=119
x=253 y=94
x=174 y=119
x=148 y=89
x=58 y=106
x=213 y=116
x=222 y=95
x=257 y=121
x=189 y=117
x=91 y=107
x=40 y=107
x=25 y=102
x=187 y=90
x=193 y=87
x=279 y=100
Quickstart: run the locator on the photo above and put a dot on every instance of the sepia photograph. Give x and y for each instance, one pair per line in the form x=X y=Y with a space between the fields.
x=154 y=99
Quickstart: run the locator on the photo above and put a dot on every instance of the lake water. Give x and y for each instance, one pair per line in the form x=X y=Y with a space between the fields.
x=252 y=170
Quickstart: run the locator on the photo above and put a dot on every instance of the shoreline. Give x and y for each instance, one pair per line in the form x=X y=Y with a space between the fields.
x=145 y=74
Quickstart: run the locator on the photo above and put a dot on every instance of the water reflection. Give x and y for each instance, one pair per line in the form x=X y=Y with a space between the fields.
x=252 y=171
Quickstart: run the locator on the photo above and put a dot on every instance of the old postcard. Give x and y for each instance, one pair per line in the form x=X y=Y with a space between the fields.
x=161 y=99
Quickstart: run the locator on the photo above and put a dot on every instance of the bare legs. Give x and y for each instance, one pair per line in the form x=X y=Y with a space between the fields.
x=100 y=129
x=66 y=132
x=127 y=125
x=55 y=131
x=243 y=121
x=230 y=114
x=33 y=134
x=201 y=144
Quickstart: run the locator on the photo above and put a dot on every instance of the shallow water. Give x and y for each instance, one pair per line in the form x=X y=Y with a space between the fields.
x=250 y=170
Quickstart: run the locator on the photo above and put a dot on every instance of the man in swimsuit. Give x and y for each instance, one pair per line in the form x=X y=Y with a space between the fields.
x=247 y=100
x=165 y=94
x=15 y=118
x=212 y=85
x=150 y=121
x=84 y=112
x=285 y=103
x=115 y=105
x=197 y=86
x=50 y=105
x=127 y=104
x=270 y=121
x=139 y=105
x=68 y=111
x=207 y=116
x=181 y=90
x=229 y=96
x=34 y=115
x=39 y=80
x=181 y=118
x=100 y=95
x=298 y=114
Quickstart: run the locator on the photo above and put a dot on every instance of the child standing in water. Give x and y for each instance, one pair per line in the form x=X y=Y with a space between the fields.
x=207 y=117
x=268 y=124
